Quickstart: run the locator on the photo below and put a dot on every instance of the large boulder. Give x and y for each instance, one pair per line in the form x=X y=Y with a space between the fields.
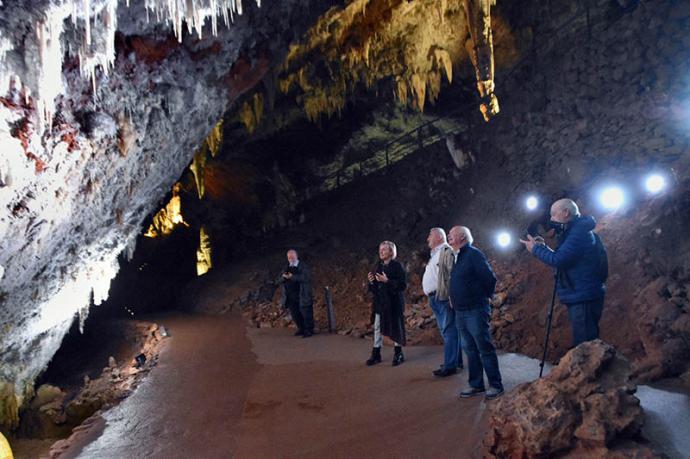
x=585 y=407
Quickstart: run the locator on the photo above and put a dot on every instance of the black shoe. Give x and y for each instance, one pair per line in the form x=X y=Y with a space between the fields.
x=307 y=334
x=493 y=393
x=398 y=358
x=443 y=372
x=472 y=392
x=375 y=357
x=299 y=333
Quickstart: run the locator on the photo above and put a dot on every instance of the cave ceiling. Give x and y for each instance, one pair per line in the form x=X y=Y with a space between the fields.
x=104 y=104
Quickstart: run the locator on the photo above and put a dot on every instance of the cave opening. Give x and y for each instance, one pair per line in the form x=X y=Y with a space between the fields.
x=150 y=197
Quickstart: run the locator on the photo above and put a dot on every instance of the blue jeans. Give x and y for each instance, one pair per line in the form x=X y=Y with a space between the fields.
x=452 y=345
x=584 y=320
x=476 y=339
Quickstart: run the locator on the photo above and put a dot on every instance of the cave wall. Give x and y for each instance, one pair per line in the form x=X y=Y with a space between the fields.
x=75 y=186
x=602 y=98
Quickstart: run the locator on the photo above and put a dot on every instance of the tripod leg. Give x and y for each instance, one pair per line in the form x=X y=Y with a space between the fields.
x=548 y=327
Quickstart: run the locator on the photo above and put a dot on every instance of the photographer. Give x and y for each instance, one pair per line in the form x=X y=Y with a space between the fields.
x=581 y=267
x=297 y=296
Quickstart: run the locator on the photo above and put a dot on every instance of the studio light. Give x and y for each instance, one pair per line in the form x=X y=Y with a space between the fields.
x=531 y=203
x=612 y=198
x=503 y=239
x=655 y=183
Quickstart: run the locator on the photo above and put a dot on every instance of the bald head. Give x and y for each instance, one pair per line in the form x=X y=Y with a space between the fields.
x=458 y=236
x=292 y=256
x=564 y=210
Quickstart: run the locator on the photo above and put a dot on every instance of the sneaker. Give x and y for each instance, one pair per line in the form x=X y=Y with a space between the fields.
x=493 y=393
x=443 y=372
x=472 y=392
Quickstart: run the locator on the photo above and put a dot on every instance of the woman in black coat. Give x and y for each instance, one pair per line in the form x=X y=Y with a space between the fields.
x=387 y=283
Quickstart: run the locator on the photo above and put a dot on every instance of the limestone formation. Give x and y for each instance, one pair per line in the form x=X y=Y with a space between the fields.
x=584 y=407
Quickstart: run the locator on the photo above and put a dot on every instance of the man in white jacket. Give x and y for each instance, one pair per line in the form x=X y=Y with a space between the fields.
x=435 y=284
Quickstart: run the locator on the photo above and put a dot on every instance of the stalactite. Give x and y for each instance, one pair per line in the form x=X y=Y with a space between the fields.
x=95 y=43
x=203 y=253
x=197 y=167
x=215 y=138
x=9 y=406
x=478 y=14
x=169 y=217
x=409 y=44
x=251 y=112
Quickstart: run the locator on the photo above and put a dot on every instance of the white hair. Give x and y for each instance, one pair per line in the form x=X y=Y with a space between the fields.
x=391 y=245
x=441 y=232
x=465 y=231
x=468 y=234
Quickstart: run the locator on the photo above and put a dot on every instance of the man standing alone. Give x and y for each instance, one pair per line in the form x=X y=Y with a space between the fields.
x=297 y=295
x=435 y=284
x=472 y=283
x=581 y=267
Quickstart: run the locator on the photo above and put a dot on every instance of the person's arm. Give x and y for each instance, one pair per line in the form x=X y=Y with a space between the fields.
x=281 y=277
x=396 y=280
x=304 y=275
x=484 y=272
x=570 y=250
x=445 y=264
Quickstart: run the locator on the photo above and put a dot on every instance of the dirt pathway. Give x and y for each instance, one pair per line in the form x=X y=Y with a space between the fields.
x=223 y=391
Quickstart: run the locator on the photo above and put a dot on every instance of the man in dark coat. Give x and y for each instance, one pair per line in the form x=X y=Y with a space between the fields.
x=297 y=296
x=580 y=269
x=472 y=284
x=387 y=283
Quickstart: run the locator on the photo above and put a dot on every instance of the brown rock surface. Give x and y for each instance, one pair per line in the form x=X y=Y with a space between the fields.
x=584 y=407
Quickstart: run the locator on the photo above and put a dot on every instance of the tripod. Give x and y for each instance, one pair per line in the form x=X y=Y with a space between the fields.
x=548 y=324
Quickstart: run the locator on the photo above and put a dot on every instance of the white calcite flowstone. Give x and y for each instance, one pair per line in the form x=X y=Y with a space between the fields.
x=93 y=136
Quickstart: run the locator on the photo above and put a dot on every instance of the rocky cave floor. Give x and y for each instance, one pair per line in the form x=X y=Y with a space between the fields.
x=220 y=385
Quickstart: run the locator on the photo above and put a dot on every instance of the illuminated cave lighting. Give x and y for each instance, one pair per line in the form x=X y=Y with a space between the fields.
x=655 y=183
x=503 y=239
x=531 y=203
x=612 y=198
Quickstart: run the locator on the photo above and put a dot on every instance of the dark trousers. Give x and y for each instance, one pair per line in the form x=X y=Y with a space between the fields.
x=445 y=317
x=302 y=315
x=584 y=320
x=473 y=325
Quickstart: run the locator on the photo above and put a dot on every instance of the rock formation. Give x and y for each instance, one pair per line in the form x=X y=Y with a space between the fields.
x=584 y=408
x=85 y=160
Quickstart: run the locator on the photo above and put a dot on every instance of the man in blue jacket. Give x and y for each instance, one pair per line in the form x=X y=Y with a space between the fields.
x=472 y=284
x=580 y=269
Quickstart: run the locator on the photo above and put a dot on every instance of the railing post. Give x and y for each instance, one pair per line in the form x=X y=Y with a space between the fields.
x=329 y=309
